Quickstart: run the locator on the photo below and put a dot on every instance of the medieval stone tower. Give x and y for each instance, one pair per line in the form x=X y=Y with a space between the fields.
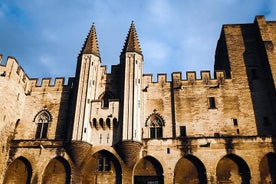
x=123 y=127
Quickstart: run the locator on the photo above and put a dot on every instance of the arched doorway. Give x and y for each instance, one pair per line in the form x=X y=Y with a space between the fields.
x=232 y=169
x=102 y=167
x=268 y=168
x=190 y=170
x=57 y=171
x=19 y=172
x=148 y=170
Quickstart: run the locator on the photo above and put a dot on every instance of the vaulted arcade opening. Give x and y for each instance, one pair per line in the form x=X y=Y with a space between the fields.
x=57 y=171
x=148 y=170
x=19 y=171
x=102 y=167
x=268 y=168
x=232 y=169
x=190 y=170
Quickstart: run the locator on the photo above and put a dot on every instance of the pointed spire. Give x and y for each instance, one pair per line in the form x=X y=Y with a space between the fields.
x=91 y=43
x=132 y=42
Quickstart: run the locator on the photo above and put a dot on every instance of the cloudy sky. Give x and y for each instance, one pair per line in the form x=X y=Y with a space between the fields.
x=46 y=36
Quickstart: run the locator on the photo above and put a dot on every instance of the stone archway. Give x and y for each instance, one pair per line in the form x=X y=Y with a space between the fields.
x=232 y=169
x=102 y=167
x=19 y=172
x=190 y=170
x=267 y=168
x=148 y=170
x=57 y=171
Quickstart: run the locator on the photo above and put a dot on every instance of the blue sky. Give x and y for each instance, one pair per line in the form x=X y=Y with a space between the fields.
x=46 y=36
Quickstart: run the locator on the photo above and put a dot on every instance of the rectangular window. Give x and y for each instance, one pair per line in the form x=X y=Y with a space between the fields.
x=152 y=132
x=182 y=131
x=103 y=163
x=100 y=164
x=235 y=121
x=38 y=131
x=156 y=132
x=106 y=164
x=159 y=132
x=212 y=103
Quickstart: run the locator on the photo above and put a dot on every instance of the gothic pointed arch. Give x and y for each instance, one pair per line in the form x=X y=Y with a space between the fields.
x=19 y=171
x=148 y=170
x=267 y=168
x=101 y=167
x=42 y=120
x=57 y=171
x=155 y=124
x=232 y=169
x=189 y=169
x=105 y=97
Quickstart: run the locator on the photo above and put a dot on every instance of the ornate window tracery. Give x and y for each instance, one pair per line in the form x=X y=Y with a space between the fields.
x=155 y=123
x=42 y=119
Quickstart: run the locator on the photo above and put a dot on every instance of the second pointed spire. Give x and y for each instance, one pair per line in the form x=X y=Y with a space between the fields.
x=132 y=42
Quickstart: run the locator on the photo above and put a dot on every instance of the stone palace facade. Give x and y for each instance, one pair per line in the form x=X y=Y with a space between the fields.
x=123 y=127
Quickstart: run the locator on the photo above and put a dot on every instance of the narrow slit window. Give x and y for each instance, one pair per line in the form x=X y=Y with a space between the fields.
x=182 y=131
x=212 y=103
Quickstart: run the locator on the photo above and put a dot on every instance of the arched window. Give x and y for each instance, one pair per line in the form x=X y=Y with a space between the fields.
x=94 y=123
x=102 y=123
x=42 y=119
x=108 y=122
x=155 y=124
x=115 y=122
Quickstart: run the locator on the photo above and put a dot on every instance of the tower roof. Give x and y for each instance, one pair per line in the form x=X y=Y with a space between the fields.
x=132 y=42
x=91 y=43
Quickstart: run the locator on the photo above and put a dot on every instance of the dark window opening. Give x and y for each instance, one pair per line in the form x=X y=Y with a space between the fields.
x=156 y=132
x=235 y=121
x=108 y=123
x=103 y=164
x=168 y=151
x=102 y=123
x=183 y=131
x=238 y=131
x=212 y=103
x=95 y=122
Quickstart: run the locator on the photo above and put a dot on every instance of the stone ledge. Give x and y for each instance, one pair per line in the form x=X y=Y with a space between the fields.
x=36 y=143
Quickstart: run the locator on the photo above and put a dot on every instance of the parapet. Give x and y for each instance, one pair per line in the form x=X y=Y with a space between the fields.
x=12 y=71
x=191 y=78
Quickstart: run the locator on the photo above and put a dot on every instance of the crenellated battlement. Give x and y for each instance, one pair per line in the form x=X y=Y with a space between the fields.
x=190 y=79
x=11 y=67
x=13 y=71
x=46 y=84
